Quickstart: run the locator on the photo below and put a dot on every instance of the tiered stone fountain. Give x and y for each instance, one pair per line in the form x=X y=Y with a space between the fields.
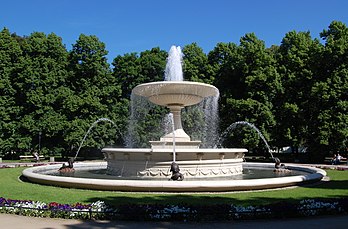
x=193 y=160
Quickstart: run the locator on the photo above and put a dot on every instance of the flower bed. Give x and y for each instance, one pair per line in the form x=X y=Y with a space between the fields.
x=15 y=165
x=96 y=210
x=155 y=212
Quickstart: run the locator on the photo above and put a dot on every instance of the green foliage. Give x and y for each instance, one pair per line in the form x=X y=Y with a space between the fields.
x=131 y=69
x=10 y=53
x=195 y=66
x=92 y=93
x=295 y=93
x=297 y=65
x=248 y=83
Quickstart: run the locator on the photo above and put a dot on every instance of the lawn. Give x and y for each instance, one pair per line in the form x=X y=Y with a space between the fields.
x=11 y=186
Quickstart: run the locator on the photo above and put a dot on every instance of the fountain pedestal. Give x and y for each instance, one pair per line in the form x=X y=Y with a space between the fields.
x=182 y=140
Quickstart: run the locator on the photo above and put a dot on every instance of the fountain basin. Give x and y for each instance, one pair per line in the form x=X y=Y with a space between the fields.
x=39 y=175
x=175 y=93
x=155 y=162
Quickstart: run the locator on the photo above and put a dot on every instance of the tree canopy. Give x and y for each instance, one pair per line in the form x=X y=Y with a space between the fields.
x=295 y=93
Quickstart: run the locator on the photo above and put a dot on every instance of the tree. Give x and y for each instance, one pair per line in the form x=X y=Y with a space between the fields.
x=329 y=93
x=92 y=94
x=263 y=83
x=295 y=93
x=248 y=83
x=195 y=66
x=297 y=59
x=129 y=71
x=10 y=54
x=40 y=81
x=225 y=63
x=125 y=72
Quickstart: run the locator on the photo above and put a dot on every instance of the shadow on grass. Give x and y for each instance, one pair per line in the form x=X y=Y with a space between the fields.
x=339 y=190
x=192 y=210
x=199 y=200
x=333 y=184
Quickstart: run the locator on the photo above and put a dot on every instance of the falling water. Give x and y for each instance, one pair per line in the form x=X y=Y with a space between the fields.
x=234 y=125
x=167 y=124
x=140 y=107
x=122 y=169
x=89 y=130
x=171 y=117
x=211 y=116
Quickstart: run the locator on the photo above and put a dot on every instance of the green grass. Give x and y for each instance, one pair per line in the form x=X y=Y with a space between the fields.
x=12 y=187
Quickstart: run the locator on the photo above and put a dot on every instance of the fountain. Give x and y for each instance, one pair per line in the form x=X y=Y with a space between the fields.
x=175 y=94
x=150 y=169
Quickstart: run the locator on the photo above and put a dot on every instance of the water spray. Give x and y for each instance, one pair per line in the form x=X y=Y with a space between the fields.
x=252 y=126
x=171 y=116
x=89 y=130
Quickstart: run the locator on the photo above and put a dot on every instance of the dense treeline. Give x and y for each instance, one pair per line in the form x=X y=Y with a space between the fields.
x=295 y=93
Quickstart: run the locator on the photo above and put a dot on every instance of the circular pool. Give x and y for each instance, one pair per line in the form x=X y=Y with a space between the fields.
x=255 y=176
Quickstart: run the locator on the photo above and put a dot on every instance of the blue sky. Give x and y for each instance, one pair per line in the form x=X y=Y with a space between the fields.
x=137 y=25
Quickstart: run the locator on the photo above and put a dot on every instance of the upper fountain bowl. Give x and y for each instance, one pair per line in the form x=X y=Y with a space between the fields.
x=175 y=93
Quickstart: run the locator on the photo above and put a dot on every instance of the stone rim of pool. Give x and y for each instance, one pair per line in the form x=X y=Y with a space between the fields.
x=314 y=175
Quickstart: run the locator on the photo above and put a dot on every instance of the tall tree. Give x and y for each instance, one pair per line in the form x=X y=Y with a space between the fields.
x=225 y=64
x=39 y=87
x=131 y=70
x=92 y=94
x=263 y=83
x=330 y=92
x=249 y=84
x=297 y=59
x=10 y=54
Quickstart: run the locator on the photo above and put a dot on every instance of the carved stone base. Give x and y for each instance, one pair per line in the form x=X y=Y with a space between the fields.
x=190 y=169
x=155 y=163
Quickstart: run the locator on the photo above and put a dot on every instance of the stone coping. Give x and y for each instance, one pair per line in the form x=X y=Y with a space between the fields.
x=180 y=150
x=176 y=186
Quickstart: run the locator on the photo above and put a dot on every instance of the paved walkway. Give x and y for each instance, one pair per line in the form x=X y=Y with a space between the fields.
x=24 y=222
